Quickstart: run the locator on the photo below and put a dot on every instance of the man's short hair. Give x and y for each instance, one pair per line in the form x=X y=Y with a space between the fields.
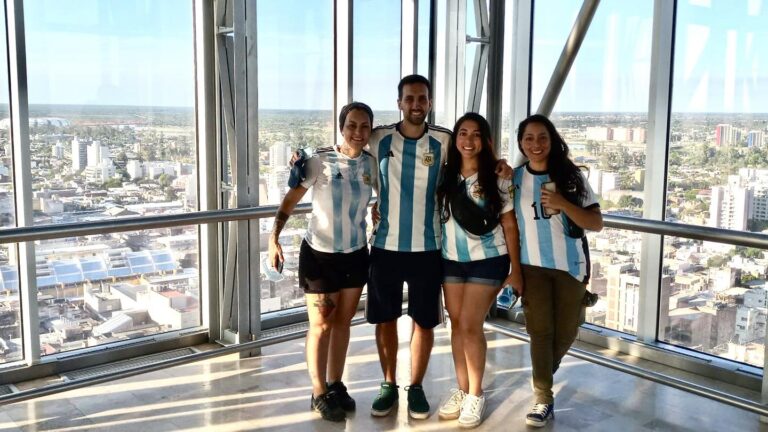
x=413 y=79
x=346 y=109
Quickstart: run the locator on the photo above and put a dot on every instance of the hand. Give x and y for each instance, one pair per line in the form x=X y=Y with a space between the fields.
x=503 y=170
x=553 y=200
x=375 y=215
x=275 y=254
x=515 y=280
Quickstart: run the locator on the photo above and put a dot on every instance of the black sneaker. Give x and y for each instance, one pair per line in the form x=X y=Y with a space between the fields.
x=540 y=415
x=342 y=396
x=418 y=407
x=328 y=407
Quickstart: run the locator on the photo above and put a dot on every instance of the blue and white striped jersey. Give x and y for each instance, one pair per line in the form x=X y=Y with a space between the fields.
x=409 y=171
x=461 y=246
x=342 y=188
x=544 y=241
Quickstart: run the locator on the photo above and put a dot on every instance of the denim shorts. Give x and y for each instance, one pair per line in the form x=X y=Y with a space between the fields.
x=490 y=271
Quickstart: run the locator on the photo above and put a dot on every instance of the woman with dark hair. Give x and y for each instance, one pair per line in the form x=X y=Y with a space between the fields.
x=554 y=205
x=333 y=258
x=480 y=240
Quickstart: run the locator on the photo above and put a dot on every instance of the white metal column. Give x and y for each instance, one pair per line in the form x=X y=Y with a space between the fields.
x=342 y=67
x=22 y=175
x=455 y=48
x=522 y=17
x=205 y=106
x=656 y=166
x=408 y=38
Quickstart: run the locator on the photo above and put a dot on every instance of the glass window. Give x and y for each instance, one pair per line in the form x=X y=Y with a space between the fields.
x=422 y=67
x=296 y=96
x=602 y=115
x=376 y=57
x=112 y=134
x=718 y=177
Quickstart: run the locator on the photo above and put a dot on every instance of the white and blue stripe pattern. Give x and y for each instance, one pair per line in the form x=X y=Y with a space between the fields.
x=342 y=187
x=461 y=246
x=409 y=170
x=544 y=241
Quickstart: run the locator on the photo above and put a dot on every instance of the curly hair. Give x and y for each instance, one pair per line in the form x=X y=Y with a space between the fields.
x=566 y=175
x=486 y=175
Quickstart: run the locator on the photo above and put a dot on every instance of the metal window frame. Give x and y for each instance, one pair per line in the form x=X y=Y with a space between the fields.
x=208 y=196
x=36 y=364
x=521 y=62
x=409 y=26
x=659 y=106
x=22 y=176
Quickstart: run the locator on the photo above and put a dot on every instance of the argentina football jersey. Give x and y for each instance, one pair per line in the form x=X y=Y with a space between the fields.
x=461 y=246
x=543 y=238
x=342 y=187
x=409 y=171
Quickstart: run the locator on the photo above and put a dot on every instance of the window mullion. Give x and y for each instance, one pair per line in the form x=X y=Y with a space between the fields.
x=22 y=173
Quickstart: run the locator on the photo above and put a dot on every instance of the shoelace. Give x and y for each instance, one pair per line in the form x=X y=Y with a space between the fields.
x=457 y=396
x=474 y=404
x=540 y=409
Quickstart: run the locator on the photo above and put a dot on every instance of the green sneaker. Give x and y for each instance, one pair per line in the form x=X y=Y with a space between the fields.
x=386 y=400
x=418 y=407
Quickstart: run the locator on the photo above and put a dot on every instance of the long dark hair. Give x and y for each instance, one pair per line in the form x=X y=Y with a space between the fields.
x=486 y=167
x=566 y=175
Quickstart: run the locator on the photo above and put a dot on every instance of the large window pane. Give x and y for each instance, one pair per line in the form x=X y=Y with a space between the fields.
x=376 y=57
x=10 y=306
x=112 y=134
x=295 y=64
x=602 y=114
x=718 y=176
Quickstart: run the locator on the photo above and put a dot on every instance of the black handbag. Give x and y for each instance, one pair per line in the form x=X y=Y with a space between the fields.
x=470 y=216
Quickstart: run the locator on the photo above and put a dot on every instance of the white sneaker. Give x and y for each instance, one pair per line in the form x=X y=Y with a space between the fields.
x=451 y=408
x=472 y=411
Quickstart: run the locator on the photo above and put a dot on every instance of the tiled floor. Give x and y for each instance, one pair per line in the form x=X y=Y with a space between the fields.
x=271 y=392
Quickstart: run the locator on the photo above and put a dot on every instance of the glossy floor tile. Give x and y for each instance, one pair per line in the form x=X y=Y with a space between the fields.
x=271 y=392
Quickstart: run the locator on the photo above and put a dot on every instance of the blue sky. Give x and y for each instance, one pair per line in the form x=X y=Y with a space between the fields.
x=140 y=52
x=721 y=63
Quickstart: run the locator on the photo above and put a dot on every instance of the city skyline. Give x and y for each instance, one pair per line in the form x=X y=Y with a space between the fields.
x=126 y=53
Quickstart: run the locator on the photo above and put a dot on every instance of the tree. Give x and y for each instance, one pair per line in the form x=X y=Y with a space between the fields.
x=112 y=183
x=717 y=261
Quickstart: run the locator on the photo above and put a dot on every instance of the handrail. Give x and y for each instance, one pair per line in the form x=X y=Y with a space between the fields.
x=52 y=231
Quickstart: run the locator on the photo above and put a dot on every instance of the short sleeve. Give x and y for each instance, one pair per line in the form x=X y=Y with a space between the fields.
x=507 y=193
x=313 y=169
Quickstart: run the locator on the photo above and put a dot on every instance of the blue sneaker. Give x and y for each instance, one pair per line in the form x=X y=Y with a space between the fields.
x=540 y=415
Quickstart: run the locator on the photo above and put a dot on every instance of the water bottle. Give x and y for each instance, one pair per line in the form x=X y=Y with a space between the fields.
x=507 y=298
x=272 y=274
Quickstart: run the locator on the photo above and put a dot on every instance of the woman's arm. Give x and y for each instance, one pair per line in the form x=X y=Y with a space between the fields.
x=281 y=217
x=587 y=218
x=512 y=238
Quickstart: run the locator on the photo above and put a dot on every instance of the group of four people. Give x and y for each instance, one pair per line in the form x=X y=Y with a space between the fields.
x=431 y=184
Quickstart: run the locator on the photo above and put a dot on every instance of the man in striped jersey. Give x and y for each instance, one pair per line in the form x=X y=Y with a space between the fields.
x=406 y=241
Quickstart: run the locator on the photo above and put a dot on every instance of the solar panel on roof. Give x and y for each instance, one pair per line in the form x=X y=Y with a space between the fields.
x=46 y=281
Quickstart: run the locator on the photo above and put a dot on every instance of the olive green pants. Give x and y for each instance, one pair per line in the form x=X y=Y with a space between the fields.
x=554 y=310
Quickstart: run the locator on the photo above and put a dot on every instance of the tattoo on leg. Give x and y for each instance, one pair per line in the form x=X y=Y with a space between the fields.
x=325 y=304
